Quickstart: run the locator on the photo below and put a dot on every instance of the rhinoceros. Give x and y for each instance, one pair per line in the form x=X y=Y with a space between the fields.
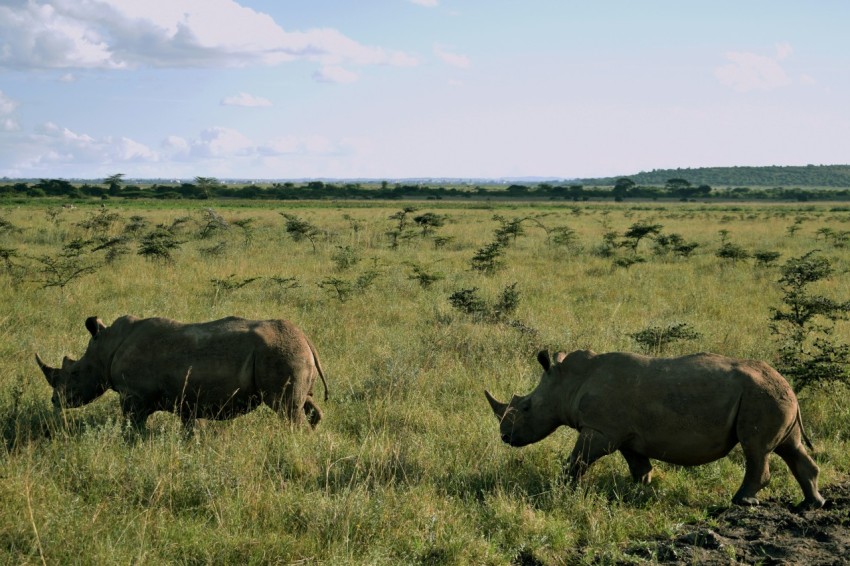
x=214 y=370
x=688 y=411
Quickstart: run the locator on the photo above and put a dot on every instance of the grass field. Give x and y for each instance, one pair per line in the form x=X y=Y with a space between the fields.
x=407 y=466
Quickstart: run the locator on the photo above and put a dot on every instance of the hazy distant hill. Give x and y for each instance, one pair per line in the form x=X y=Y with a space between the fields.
x=773 y=176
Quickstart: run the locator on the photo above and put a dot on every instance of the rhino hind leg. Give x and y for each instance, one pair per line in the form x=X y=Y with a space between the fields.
x=312 y=412
x=756 y=476
x=803 y=468
x=639 y=466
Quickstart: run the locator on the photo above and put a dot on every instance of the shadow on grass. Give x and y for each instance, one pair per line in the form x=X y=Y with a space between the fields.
x=26 y=420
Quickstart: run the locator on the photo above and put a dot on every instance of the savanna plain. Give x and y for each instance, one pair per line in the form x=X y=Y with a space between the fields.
x=415 y=308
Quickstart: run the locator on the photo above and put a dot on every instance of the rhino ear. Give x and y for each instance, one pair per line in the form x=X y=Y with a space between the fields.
x=544 y=359
x=94 y=325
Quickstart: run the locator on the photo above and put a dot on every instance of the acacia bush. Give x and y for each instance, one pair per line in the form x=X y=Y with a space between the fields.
x=158 y=244
x=654 y=340
x=300 y=229
x=809 y=354
x=72 y=262
x=424 y=276
x=467 y=301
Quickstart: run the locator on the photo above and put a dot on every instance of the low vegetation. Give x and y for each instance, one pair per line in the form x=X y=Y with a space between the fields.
x=414 y=311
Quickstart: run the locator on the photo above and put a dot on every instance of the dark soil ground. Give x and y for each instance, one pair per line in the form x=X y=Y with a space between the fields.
x=772 y=533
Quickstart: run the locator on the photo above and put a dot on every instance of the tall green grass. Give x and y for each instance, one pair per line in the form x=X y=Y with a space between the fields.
x=407 y=466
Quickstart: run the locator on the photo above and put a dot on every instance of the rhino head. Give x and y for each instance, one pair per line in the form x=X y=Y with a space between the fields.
x=533 y=417
x=77 y=383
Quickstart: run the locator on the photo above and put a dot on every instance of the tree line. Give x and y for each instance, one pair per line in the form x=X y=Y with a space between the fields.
x=835 y=176
x=619 y=189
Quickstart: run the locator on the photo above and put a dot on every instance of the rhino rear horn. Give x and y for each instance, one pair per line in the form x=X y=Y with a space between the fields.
x=49 y=372
x=498 y=408
x=94 y=325
x=544 y=359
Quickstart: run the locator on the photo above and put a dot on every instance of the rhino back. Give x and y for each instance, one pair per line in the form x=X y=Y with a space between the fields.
x=230 y=359
x=681 y=410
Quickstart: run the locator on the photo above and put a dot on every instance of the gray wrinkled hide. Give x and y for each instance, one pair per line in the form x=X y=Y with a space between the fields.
x=688 y=411
x=214 y=370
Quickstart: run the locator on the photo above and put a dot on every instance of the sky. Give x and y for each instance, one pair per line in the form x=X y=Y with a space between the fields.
x=395 y=89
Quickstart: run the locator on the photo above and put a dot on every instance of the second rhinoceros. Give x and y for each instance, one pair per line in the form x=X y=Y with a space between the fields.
x=213 y=370
x=689 y=410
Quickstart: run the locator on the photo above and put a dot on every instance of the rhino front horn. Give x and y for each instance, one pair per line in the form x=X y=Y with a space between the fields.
x=49 y=372
x=498 y=408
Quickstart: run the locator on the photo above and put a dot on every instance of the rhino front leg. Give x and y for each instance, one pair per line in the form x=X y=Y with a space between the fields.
x=590 y=446
x=188 y=425
x=639 y=466
x=135 y=411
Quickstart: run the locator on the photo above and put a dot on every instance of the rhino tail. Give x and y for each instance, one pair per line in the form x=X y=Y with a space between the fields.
x=803 y=431
x=318 y=366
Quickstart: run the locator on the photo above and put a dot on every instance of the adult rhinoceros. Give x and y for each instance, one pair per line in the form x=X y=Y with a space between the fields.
x=214 y=370
x=688 y=411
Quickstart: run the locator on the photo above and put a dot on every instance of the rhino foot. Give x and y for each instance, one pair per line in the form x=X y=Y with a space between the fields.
x=746 y=501
x=811 y=504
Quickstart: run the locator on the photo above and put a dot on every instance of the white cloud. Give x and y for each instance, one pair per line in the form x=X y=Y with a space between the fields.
x=453 y=59
x=52 y=143
x=221 y=142
x=127 y=150
x=176 y=145
x=246 y=100
x=334 y=74
x=7 y=105
x=114 y=34
x=426 y=3
x=750 y=71
x=783 y=50
x=9 y=125
x=280 y=146
x=216 y=150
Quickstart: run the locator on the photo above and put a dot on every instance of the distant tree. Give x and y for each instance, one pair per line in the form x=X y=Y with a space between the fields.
x=207 y=186
x=679 y=187
x=113 y=183
x=622 y=187
x=51 y=188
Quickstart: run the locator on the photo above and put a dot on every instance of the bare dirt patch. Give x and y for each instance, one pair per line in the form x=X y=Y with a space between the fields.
x=772 y=533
